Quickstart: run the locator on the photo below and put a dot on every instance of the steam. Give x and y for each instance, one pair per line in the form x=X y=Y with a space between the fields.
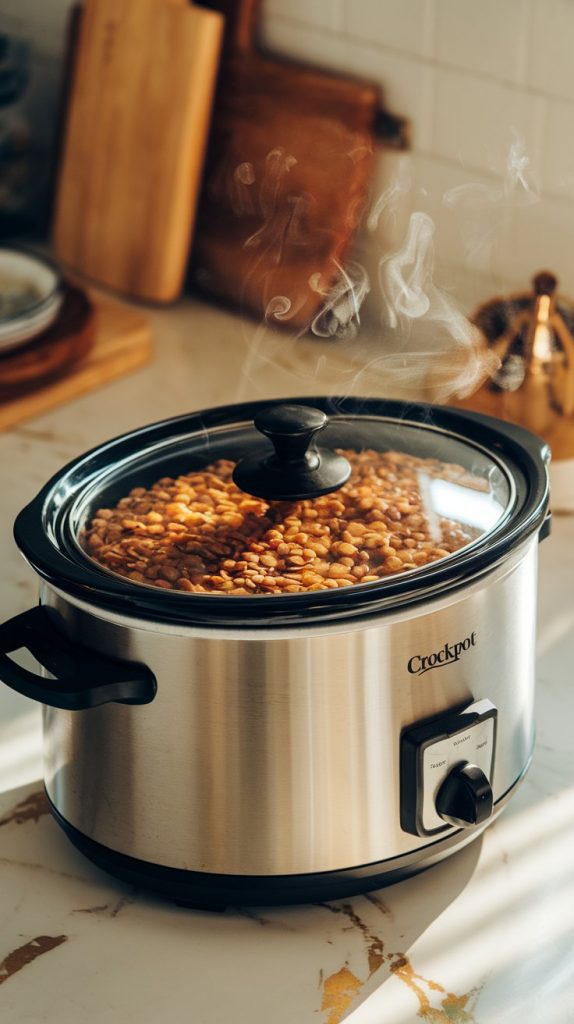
x=440 y=342
x=242 y=202
x=437 y=333
x=428 y=343
x=519 y=187
x=339 y=316
x=481 y=206
x=284 y=237
x=283 y=215
x=410 y=297
x=388 y=203
x=279 y=308
x=405 y=276
x=520 y=182
x=341 y=300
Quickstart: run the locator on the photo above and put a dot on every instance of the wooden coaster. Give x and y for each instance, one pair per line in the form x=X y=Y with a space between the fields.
x=122 y=343
x=54 y=351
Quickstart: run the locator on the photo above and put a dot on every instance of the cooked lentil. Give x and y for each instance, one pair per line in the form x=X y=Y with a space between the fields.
x=200 y=534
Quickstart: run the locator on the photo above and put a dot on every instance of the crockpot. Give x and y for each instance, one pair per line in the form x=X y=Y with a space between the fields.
x=273 y=748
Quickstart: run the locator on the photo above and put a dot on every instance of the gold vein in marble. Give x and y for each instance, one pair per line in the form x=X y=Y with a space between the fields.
x=453 y=1009
x=109 y=909
x=26 y=954
x=374 y=944
x=377 y=902
x=341 y=988
x=32 y=808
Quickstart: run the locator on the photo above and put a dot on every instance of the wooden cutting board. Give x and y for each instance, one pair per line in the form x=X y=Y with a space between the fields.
x=288 y=164
x=121 y=344
x=137 y=124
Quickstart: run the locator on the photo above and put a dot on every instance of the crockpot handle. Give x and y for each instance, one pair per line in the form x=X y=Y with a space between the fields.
x=82 y=678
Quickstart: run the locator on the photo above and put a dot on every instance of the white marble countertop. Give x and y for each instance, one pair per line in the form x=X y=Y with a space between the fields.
x=485 y=937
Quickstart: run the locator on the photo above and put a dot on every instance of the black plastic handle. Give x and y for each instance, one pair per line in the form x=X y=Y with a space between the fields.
x=83 y=679
x=546 y=528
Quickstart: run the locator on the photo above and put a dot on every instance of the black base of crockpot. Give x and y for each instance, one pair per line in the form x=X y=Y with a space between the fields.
x=204 y=891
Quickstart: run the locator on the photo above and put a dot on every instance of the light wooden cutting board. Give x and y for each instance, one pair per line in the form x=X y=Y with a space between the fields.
x=137 y=123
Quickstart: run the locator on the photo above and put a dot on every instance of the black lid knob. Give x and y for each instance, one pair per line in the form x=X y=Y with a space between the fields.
x=296 y=468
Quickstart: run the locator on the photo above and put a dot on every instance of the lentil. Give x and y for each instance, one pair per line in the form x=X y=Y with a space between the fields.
x=200 y=534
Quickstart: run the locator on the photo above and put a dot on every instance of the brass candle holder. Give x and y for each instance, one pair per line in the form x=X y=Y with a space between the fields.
x=532 y=334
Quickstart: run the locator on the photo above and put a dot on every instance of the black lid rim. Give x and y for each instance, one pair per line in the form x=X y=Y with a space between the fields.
x=527 y=454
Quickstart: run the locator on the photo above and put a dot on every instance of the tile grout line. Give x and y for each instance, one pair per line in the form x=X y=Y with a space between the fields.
x=416 y=58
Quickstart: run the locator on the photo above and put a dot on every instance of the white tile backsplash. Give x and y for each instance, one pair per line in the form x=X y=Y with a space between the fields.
x=395 y=24
x=466 y=72
x=476 y=120
x=466 y=209
x=466 y=237
x=473 y=75
x=404 y=81
x=319 y=13
x=490 y=37
x=551 y=56
x=470 y=233
x=539 y=238
x=557 y=161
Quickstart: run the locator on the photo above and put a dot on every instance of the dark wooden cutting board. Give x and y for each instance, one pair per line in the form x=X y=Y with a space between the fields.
x=288 y=166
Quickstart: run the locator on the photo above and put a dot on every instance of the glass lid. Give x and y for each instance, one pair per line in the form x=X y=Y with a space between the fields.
x=309 y=499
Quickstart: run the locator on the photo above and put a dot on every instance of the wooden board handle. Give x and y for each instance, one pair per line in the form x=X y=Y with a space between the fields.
x=241 y=23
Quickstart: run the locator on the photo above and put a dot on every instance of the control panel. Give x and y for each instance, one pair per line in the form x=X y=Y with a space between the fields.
x=447 y=765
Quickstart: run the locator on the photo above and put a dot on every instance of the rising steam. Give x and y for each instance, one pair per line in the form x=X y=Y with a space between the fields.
x=283 y=222
x=481 y=206
x=519 y=187
x=405 y=276
x=388 y=204
x=241 y=197
x=412 y=299
x=339 y=316
x=429 y=342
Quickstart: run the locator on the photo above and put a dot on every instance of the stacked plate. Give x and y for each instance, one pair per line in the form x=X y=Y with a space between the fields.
x=31 y=295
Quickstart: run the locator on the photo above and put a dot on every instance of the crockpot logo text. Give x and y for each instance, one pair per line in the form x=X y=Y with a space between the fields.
x=421 y=663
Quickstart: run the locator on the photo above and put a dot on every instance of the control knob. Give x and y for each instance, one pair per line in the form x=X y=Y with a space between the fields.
x=465 y=796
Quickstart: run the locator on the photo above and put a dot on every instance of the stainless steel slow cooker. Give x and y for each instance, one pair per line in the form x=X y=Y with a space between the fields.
x=279 y=748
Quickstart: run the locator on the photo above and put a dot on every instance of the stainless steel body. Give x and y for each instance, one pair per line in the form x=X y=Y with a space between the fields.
x=277 y=751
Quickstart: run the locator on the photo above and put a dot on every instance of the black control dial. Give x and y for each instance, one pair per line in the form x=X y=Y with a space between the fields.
x=465 y=796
